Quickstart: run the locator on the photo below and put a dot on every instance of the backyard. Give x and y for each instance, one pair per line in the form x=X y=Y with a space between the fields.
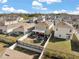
x=3 y=46
x=35 y=39
x=60 y=46
x=60 y=49
x=33 y=54
x=8 y=38
x=75 y=43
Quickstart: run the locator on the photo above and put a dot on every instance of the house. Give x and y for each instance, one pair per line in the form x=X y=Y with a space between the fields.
x=37 y=38
x=9 y=22
x=44 y=27
x=8 y=28
x=24 y=28
x=10 y=19
x=63 y=30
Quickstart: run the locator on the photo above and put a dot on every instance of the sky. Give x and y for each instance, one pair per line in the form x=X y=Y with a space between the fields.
x=39 y=6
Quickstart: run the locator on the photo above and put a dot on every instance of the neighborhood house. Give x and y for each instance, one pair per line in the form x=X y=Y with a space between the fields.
x=24 y=28
x=9 y=22
x=44 y=27
x=63 y=30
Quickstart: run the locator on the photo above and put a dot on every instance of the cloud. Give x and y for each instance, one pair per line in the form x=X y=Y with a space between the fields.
x=21 y=11
x=6 y=8
x=76 y=12
x=77 y=8
x=3 y=1
x=38 y=5
x=60 y=11
x=43 y=8
x=50 y=1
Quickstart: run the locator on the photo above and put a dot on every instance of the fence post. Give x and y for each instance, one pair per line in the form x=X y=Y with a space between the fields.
x=44 y=47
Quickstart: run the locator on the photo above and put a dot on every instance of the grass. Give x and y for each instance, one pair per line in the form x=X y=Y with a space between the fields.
x=2 y=46
x=60 y=48
x=32 y=41
x=75 y=43
x=74 y=38
x=8 y=38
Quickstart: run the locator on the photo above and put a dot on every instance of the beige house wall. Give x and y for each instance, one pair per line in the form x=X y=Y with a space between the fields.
x=62 y=32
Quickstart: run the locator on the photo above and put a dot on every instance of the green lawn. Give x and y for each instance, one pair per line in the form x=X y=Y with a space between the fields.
x=61 y=44
x=75 y=43
x=60 y=48
x=64 y=46
x=33 y=41
x=2 y=48
x=9 y=38
x=74 y=38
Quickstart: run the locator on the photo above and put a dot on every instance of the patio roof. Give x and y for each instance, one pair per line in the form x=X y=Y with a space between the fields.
x=13 y=54
x=40 y=31
x=24 y=27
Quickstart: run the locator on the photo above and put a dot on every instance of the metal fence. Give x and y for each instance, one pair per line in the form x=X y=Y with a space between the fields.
x=29 y=45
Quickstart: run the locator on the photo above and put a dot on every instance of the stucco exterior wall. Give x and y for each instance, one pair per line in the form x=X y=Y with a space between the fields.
x=63 y=33
x=3 y=28
x=10 y=22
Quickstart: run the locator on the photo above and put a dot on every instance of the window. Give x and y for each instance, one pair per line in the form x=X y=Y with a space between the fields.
x=59 y=35
x=1 y=31
x=56 y=29
x=68 y=36
x=70 y=30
